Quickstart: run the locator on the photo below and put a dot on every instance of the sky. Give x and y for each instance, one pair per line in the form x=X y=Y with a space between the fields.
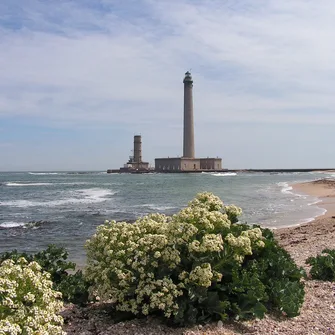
x=80 y=78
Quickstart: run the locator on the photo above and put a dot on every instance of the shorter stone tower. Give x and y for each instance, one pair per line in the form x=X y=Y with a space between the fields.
x=137 y=149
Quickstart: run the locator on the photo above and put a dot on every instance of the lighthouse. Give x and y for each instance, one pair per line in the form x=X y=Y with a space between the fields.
x=188 y=145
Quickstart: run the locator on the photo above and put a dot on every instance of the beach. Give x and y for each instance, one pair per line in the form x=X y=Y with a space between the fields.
x=317 y=315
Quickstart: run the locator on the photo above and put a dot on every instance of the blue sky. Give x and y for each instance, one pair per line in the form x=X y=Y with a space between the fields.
x=78 y=79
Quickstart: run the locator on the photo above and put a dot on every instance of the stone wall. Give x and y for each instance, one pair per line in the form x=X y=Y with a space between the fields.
x=167 y=164
x=177 y=164
x=210 y=163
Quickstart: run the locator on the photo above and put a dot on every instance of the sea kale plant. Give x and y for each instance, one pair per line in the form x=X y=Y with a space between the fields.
x=323 y=266
x=28 y=304
x=197 y=265
x=73 y=286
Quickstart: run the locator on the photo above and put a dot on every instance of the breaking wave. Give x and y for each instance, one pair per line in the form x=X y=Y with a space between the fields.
x=12 y=224
x=223 y=174
x=87 y=196
x=44 y=173
x=27 y=184
x=286 y=188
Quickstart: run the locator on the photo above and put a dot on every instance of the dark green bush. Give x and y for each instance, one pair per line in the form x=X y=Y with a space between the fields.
x=323 y=266
x=74 y=287
x=268 y=280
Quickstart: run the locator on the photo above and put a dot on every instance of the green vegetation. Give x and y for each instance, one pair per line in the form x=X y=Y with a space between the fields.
x=323 y=266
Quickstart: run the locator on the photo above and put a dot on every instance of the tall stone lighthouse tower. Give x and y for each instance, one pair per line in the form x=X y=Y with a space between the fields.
x=188 y=151
x=188 y=162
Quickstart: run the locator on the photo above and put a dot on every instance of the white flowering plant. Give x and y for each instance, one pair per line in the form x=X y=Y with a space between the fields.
x=54 y=261
x=28 y=304
x=197 y=265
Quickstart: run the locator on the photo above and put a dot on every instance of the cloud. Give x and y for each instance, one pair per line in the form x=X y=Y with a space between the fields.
x=120 y=64
x=77 y=61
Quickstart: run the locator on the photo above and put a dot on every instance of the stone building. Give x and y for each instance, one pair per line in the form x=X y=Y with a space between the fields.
x=181 y=164
x=135 y=163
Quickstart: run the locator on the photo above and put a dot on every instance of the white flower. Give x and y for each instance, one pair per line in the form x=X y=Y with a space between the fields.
x=27 y=302
x=202 y=275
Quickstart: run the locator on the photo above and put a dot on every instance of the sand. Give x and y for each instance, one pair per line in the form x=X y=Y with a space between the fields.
x=324 y=189
x=317 y=315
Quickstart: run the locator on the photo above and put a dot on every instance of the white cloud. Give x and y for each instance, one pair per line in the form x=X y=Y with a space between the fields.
x=265 y=57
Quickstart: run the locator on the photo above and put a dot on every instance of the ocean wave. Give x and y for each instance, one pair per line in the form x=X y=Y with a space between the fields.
x=86 y=196
x=285 y=187
x=323 y=211
x=161 y=208
x=27 y=184
x=11 y=224
x=44 y=173
x=156 y=207
x=223 y=174
x=315 y=202
x=52 y=184
x=67 y=173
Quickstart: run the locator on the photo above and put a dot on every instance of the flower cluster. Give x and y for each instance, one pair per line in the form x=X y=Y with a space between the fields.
x=203 y=275
x=209 y=243
x=208 y=201
x=233 y=212
x=153 y=263
x=28 y=304
x=244 y=244
x=203 y=219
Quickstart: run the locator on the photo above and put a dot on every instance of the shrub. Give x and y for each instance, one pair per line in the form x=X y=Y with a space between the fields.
x=74 y=287
x=194 y=266
x=28 y=304
x=323 y=266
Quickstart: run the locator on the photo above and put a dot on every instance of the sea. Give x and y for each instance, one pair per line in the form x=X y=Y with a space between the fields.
x=65 y=208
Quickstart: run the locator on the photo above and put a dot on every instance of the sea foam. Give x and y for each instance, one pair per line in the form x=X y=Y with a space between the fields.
x=156 y=207
x=85 y=196
x=285 y=187
x=44 y=173
x=11 y=224
x=28 y=184
x=223 y=174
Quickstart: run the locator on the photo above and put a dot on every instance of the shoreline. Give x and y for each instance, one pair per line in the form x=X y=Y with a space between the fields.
x=323 y=190
x=310 y=238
